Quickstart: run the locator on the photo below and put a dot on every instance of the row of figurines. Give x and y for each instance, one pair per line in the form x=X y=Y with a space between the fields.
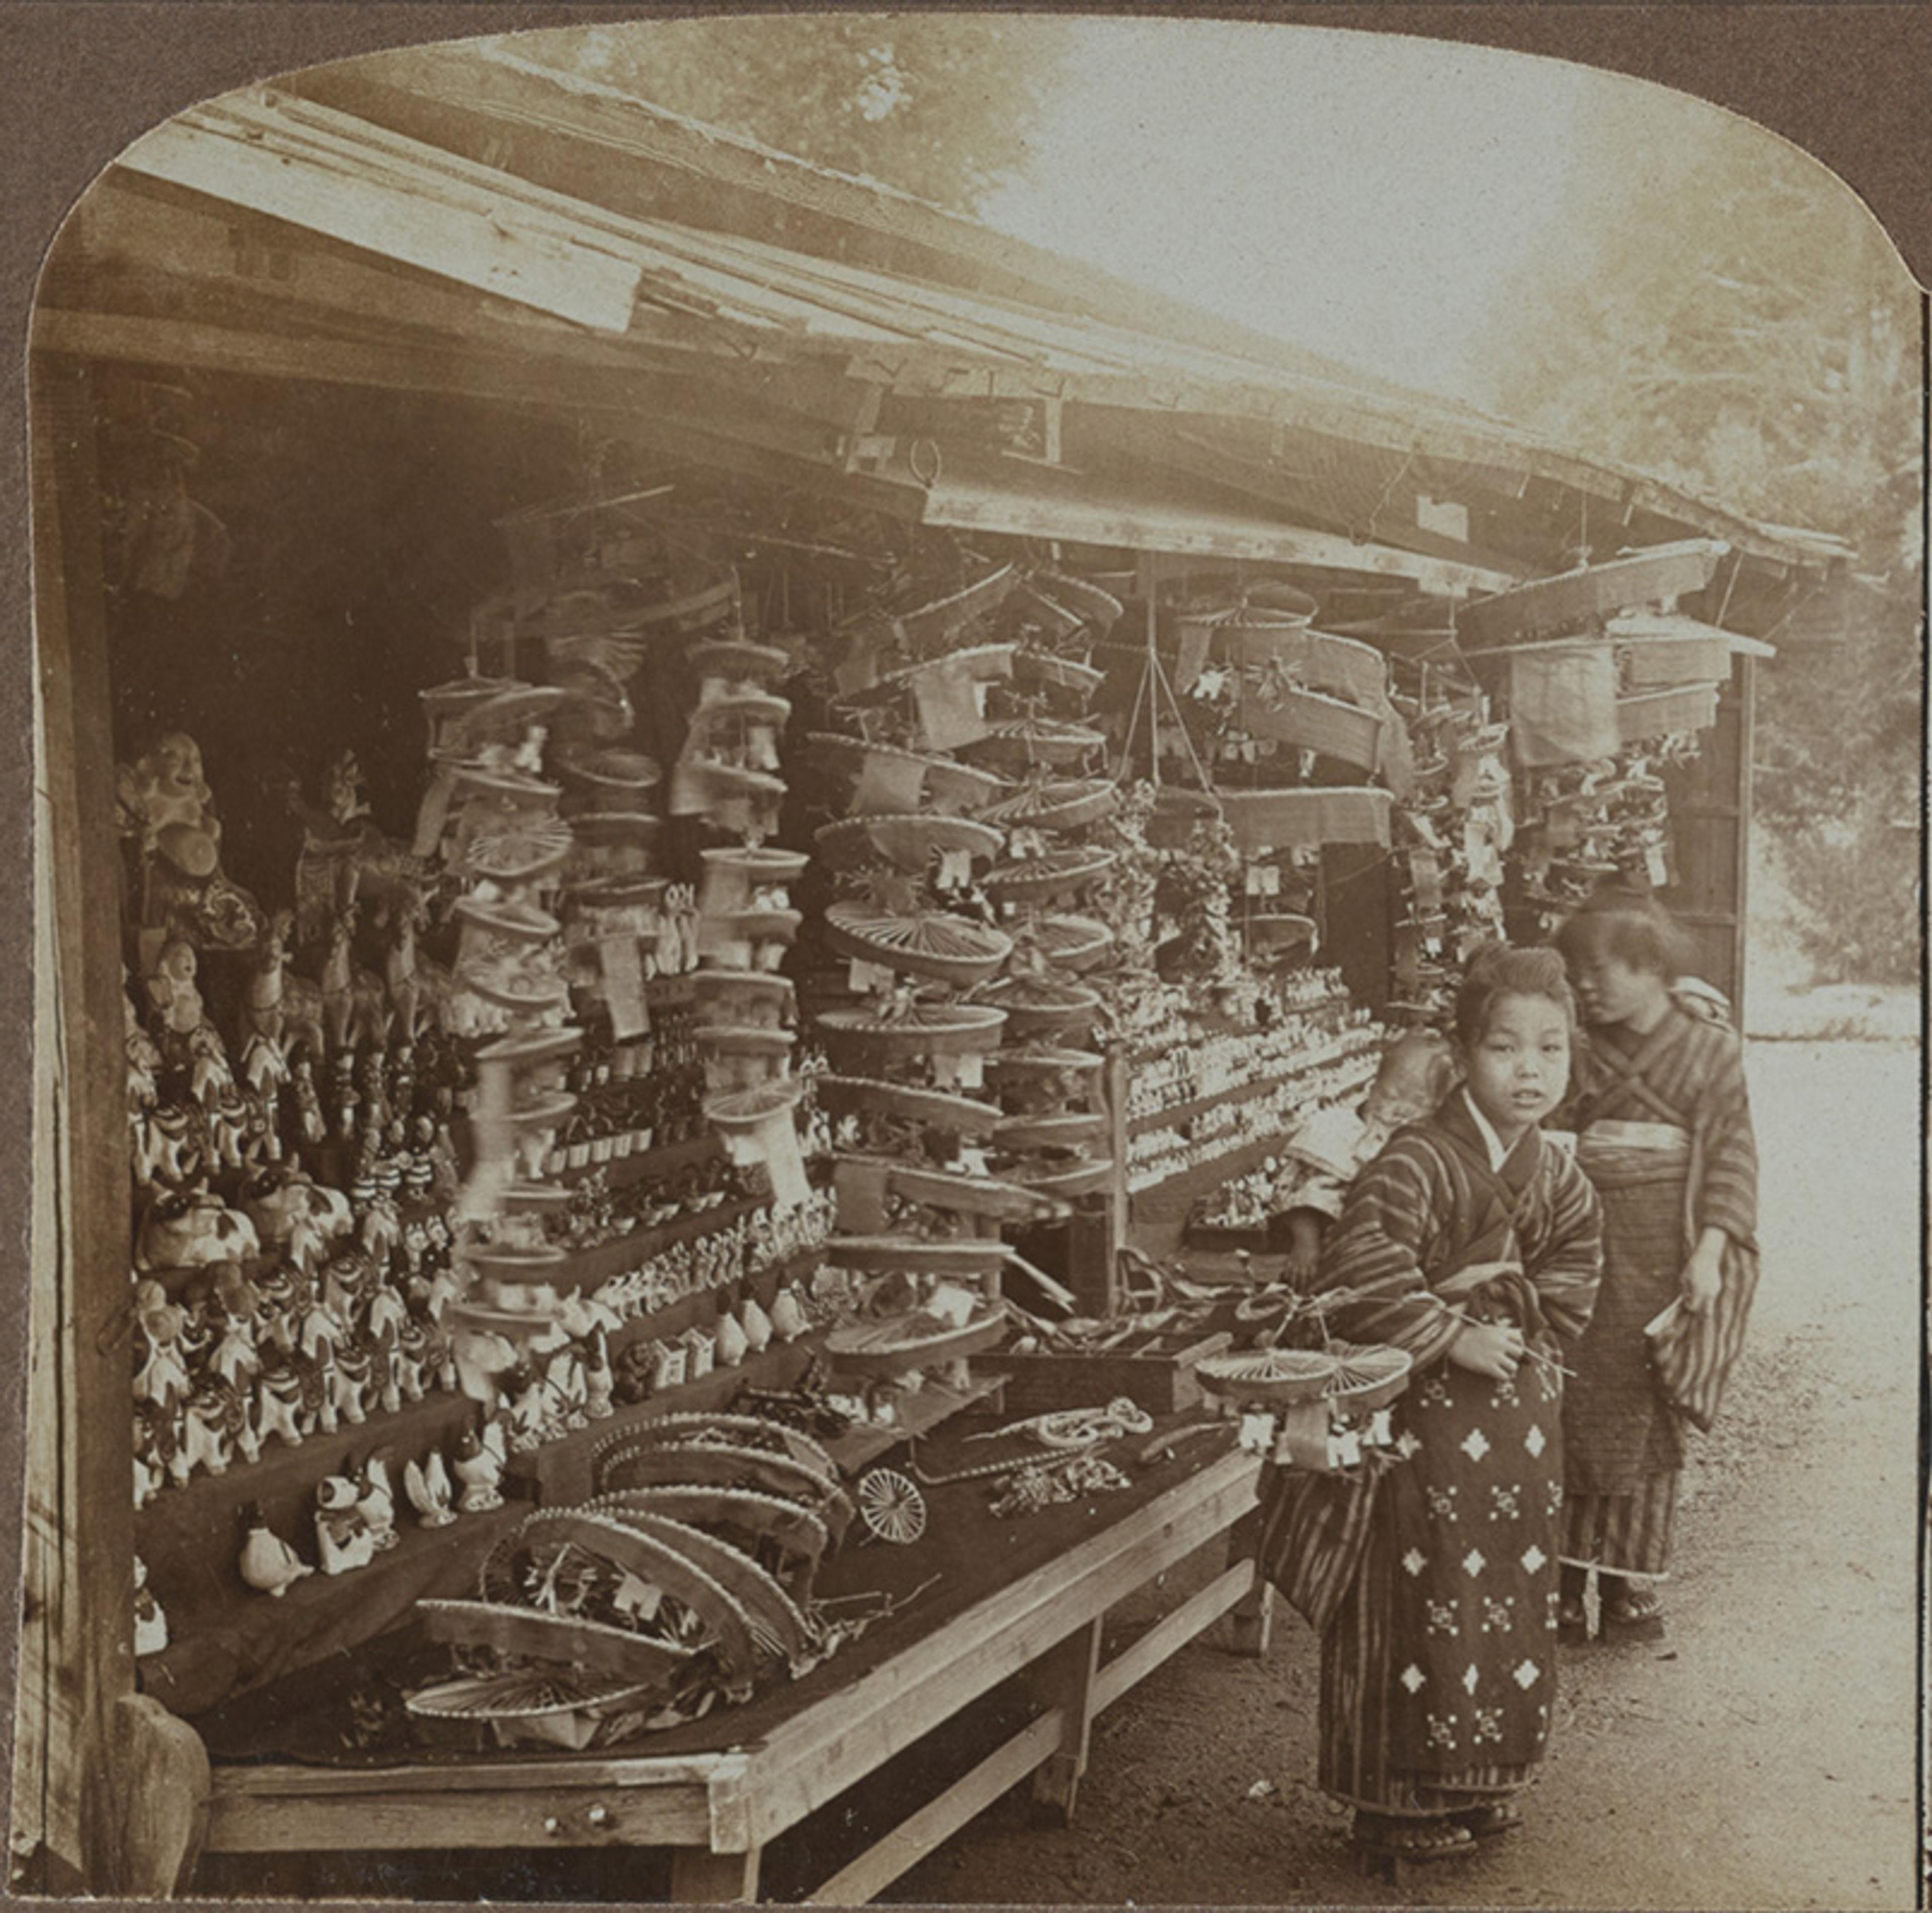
x=240 y=1362
x=1229 y=1060
x=1155 y=1155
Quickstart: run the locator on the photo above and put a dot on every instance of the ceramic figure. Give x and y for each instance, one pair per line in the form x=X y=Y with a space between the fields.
x=376 y=1503
x=342 y=1538
x=478 y=1466
x=429 y=1491
x=207 y=1430
x=279 y=1404
x=267 y=1563
x=190 y=1228
x=733 y=1344
x=598 y=1382
x=144 y=1060
x=175 y=1007
x=151 y=1624
x=350 y=1378
x=757 y=1325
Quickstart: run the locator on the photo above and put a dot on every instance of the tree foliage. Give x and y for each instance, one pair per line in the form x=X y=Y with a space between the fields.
x=1717 y=309
x=937 y=104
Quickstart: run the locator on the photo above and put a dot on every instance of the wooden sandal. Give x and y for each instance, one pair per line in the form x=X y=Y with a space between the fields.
x=1634 y=1614
x=1390 y=1837
x=1492 y=1821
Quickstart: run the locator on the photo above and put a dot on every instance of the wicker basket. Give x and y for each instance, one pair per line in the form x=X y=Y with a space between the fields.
x=952 y=949
x=1307 y=817
x=872 y=1095
x=1308 y=720
x=909 y=843
x=907 y=1342
x=1057 y=873
x=1071 y=804
x=863 y=1040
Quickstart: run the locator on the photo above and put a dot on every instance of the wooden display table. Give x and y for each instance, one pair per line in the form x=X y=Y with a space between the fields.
x=717 y=1807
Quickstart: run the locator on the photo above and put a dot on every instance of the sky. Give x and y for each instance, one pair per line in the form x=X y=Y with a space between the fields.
x=1361 y=194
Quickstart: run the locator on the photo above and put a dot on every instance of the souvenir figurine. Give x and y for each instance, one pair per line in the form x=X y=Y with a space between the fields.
x=342 y=1537
x=376 y=1504
x=430 y=1490
x=733 y=1344
x=311 y=1126
x=267 y=1563
x=208 y=1425
x=527 y=1391
x=789 y=1320
x=382 y=1327
x=151 y=1624
x=480 y=1457
x=175 y=1006
x=598 y=1381
x=757 y=1325
x=153 y=1448
x=350 y=1376
x=191 y=1227
x=282 y=1404
x=144 y=1060
x=160 y=1377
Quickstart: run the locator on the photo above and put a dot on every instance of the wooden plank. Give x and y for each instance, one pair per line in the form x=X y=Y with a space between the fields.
x=1170 y=1633
x=918 y=1833
x=492 y=250
x=810 y=1759
x=80 y=1519
x=472 y=1807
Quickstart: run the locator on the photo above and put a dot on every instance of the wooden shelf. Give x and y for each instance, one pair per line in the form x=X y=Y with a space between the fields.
x=1185 y=1112
x=665 y=1159
x=228 y=1638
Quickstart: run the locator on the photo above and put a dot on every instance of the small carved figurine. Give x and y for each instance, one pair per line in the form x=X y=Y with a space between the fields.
x=267 y=1563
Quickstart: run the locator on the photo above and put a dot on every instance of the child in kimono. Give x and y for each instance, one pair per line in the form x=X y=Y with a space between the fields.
x=1664 y=1134
x=1476 y=1247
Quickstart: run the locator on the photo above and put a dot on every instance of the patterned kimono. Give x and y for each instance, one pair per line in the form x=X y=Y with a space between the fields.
x=1664 y=1133
x=1438 y=1669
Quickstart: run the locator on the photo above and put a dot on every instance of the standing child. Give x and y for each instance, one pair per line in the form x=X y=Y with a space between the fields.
x=1664 y=1133
x=1475 y=1245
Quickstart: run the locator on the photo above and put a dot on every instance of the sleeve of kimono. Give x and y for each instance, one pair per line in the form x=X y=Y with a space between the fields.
x=1571 y=1265
x=1375 y=1251
x=1726 y=1197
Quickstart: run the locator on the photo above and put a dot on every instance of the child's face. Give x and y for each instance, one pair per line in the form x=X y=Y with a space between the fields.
x=1518 y=1069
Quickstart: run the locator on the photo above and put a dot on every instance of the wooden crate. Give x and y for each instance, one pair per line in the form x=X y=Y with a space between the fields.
x=1157 y=1373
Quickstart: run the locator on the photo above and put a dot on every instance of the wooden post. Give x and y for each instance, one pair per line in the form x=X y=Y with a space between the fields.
x=700 y=1878
x=1064 y=1677
x=78 y=1662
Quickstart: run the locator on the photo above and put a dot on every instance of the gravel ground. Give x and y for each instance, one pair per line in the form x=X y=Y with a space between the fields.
x=1762 y=1756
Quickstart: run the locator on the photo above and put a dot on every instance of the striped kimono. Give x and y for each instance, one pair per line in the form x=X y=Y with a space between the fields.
x=1664 y=1133
x=1439 y=1668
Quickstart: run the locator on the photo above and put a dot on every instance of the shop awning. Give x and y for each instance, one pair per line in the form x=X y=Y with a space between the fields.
x=1024 y=502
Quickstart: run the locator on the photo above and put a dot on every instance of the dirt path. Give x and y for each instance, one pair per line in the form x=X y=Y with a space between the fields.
x=1763 y=1757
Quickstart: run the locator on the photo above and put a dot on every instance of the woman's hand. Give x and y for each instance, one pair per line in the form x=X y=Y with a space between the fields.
x=1495 y=1349
x=1304 y=1249
x=1703 y=1281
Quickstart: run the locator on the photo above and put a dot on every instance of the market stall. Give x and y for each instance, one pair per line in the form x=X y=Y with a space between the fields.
x=673 y=863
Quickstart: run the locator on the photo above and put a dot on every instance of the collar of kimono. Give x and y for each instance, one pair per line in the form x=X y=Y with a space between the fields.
x=1623 y=1071
x=1463 y=1122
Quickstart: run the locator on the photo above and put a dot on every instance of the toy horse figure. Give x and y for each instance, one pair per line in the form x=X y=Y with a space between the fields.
x=355 y=1007
x=342 y=844
x=418 y=988
x=285 y=1009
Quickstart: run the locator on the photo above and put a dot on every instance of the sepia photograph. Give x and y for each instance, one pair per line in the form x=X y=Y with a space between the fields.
x=972 y=958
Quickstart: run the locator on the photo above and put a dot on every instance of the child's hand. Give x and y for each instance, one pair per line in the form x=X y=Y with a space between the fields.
x=1495 y=1349
x=1703 y=1281
x=1304 y=1247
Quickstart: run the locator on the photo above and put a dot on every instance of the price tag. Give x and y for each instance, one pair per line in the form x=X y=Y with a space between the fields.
x=624 y=986
x=956 y=869
x=1257 y=1435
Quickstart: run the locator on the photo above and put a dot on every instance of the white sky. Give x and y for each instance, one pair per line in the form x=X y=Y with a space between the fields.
x=1361 y=194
